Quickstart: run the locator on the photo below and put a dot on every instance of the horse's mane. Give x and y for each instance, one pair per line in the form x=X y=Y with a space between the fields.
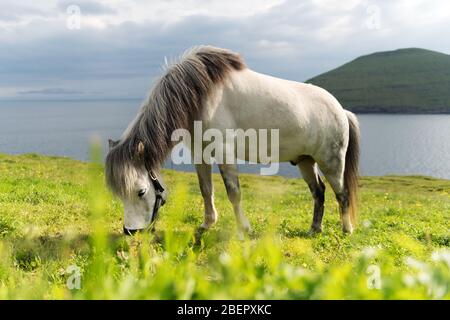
x=175 y=101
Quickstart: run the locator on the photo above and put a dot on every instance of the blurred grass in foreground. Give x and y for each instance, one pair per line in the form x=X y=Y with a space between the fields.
x=60 y=238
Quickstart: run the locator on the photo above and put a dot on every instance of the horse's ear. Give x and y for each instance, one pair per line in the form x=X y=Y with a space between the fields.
x=140 y=149
x=112 y=143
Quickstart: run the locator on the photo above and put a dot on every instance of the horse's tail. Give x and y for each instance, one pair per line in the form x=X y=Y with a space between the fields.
x=351 y=165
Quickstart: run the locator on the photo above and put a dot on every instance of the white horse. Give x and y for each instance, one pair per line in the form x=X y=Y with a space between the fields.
x=215 y=86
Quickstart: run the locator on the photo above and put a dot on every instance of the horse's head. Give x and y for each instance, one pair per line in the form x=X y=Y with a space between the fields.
x=141 y=190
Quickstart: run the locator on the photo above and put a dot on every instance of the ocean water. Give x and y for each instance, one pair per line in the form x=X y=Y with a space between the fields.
x=391 y=144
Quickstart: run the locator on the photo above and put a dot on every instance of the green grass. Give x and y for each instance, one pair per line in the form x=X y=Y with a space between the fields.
x=55 y=213
x=401 y=81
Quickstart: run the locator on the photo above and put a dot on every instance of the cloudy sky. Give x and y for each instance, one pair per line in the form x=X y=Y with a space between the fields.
x=62 y=49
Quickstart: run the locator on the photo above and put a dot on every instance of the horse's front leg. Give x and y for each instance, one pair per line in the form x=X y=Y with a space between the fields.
x=310 y=173
x=231 y=180
x=206 y=187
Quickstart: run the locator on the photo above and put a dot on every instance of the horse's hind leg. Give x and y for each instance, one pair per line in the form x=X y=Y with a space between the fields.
x=310 y=174
x=231 y=180
x=206 y=187
x=335 y=177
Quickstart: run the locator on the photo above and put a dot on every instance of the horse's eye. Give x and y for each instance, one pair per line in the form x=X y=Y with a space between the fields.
x=142 y=192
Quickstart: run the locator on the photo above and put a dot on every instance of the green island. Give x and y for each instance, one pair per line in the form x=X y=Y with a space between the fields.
x=411 y=80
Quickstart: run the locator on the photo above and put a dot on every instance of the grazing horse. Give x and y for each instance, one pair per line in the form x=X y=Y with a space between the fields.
x=214 y=86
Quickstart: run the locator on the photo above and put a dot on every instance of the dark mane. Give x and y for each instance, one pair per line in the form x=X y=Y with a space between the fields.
x=175 y=102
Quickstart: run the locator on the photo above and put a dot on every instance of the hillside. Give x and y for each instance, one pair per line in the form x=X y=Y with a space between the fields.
x=55 y=213
x=401 y=81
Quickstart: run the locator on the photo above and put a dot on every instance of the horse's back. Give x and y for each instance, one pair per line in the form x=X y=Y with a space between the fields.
x=251 y=93
x=308 y=117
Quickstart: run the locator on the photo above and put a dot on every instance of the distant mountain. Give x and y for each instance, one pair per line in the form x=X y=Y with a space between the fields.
x=401 y=81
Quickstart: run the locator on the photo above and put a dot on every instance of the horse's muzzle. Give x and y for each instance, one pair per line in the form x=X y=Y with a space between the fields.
x=129 y=232
x=160 y=201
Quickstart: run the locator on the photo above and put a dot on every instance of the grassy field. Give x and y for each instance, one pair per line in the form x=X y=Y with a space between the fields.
x=61 y=238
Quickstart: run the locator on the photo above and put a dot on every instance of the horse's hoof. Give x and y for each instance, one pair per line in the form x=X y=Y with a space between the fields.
x=241 y=235
x=347 y=229
x=315 y=230
x=206 y=226
x=201 y=230
x=247 y=229
x=245 y=226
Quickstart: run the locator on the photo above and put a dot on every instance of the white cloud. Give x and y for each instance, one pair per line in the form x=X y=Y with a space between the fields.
x=122 y=43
